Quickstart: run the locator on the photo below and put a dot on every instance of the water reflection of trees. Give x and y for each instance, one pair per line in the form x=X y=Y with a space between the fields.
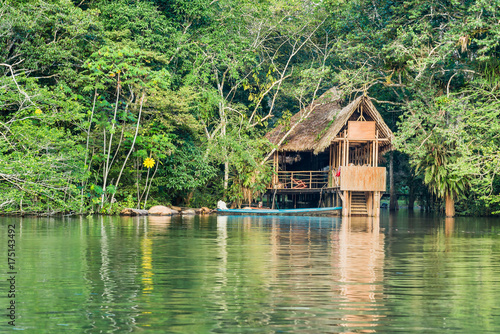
x=222 y=274
x=114 y=261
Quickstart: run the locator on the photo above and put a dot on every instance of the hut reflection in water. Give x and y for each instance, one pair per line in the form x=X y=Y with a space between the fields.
x=334 y=266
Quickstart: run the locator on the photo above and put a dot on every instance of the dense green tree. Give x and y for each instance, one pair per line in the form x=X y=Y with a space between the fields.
x=41 y=157
x=111 y=103
x=424 y=60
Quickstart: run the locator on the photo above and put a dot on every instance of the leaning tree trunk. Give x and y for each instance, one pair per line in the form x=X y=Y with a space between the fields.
x=449 y=206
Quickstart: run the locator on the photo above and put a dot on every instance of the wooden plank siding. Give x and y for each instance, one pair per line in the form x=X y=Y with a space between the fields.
x=361 y=178
x=361 y=130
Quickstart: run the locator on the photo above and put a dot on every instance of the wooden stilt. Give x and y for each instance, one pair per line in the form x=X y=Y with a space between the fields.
x=369 y=203
x=346 y=205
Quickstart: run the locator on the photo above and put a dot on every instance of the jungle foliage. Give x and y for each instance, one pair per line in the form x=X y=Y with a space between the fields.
x=106 y=104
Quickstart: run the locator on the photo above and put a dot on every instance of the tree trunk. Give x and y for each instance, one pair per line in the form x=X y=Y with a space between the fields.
x=449 y=206
x=129 y=152
x=393 y=204
x=411 y=197
x=226 y=175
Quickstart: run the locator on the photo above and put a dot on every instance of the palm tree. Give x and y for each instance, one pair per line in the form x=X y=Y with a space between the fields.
x=439 y=175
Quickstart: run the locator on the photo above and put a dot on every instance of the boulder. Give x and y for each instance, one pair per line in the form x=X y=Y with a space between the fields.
x=174 y=212
x=188 y=212
x=133 y=212
x=203 y=211
x=160 y=210
x=176 y=208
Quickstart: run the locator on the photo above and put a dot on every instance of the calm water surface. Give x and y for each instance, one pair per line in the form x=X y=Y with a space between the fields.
x=400 y=274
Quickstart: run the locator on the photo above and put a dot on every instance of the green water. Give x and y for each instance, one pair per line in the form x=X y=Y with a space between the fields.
x=399 y=274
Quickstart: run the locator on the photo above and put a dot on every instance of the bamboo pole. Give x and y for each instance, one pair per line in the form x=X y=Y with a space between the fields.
x=347 y=153
x=339 y=158
x=373 y=153
x=369 y=153
x=275 y=166
x=374 y=161
x=330 y=176
x=345 y=148
x=343 y=151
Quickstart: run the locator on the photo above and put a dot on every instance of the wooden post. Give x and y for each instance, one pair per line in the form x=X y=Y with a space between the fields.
x=339 y=160
x=342 y=151
x=345 y=204
x=310 y=179
x=275 y=167
x=376 y=203
x=376 y=149
x=330 y=163
x=330 y=166
x=347 y=153
x=369 y=203
x=373 y=153
x=369 y=154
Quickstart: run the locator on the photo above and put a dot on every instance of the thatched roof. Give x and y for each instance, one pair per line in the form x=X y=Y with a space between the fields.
x=315 y=127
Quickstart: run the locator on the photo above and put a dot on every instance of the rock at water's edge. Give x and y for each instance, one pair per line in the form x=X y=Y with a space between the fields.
x=160 y=210
x=133 y=212
x=203 y=211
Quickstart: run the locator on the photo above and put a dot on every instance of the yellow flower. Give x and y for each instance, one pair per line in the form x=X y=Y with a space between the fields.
x=38 y=112
x=149 y=162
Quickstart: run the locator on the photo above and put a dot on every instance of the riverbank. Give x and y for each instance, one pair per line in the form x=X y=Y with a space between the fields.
x=160 y=210
x=157 y=210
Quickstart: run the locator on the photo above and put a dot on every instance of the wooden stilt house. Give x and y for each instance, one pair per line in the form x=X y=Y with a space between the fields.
x=330 y=154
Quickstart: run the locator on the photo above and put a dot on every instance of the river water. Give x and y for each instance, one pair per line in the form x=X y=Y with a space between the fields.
x=402 y=273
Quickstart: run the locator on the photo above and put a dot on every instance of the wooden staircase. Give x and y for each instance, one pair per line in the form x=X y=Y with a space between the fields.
x=358 y=204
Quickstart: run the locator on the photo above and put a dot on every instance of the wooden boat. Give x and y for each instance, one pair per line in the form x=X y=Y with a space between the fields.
x=277 y=211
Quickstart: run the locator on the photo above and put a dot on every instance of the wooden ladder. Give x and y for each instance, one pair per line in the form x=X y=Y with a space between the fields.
x=358 y=203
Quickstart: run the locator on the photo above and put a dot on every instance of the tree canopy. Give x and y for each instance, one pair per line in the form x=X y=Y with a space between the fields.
x=106 y=104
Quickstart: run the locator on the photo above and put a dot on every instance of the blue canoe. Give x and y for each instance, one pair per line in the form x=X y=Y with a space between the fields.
x=277 y=211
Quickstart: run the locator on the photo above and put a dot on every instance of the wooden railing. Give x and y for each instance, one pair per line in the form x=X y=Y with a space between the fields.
x=300 y=180
x=352 y=178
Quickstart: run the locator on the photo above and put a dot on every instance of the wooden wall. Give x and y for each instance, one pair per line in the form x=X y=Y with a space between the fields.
x=360 y=178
